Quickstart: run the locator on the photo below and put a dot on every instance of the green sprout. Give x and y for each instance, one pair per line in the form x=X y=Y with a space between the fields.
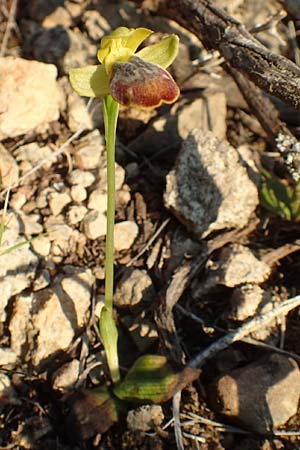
x=280 y=198
x=130 y=78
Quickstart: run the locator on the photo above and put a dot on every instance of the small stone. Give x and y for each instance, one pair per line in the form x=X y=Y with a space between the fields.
x=95 y=24
x=31 y=223
x=81 y=178
x=76 y=214
x=98 y=201
x=145 y=418
x=29 y=96
x=122 y=198
x=17 y=200
x=143 y=333
x=19 y=323
x=57 y=202
x=7 y=392
x=94 y=225
x=9 y=171
x=66 y=376
x=59 y=16
x=262 y=395
x=41 y=245
x=99 y=272
x=245 y=301
x=7 y=357
x=208 y=113
x=210 y=189
x=125 y=235
x=33 y=154
x=89 y=150
x=134 y=286
x=57 y=230
x=78 y=193
x=238 y=265
x=42 y=281
x=78 y=115
x=13 y=278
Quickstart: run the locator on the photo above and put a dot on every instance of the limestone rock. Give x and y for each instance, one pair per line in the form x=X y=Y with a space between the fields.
x=29 y=96
x=209 y=189
x=262 y=395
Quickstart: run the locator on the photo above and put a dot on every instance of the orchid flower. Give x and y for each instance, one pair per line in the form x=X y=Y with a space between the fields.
x=131 y=78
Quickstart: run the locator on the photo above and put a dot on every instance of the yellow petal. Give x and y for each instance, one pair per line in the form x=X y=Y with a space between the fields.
x=120 y=45
x=163 y=53
x=90 y=81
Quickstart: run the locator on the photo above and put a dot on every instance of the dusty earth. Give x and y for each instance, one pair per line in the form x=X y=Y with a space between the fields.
x=197 y=255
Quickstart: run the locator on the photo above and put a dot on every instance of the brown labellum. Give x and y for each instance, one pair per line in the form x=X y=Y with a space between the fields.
x=142 y=84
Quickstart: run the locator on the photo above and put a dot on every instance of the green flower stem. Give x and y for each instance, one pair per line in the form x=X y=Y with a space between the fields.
x=108 y=327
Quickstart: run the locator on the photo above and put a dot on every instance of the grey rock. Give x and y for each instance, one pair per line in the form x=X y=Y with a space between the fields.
x=29 y=96
x=262 y=395
x=209 y=189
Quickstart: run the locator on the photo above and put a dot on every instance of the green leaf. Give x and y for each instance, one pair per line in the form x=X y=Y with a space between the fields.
x=276 y=196
x=153 y=379
x=90 y=81
x=109 y=335
x=163 y=53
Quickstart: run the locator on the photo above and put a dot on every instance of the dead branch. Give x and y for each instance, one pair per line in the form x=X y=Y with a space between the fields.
x=273 y=73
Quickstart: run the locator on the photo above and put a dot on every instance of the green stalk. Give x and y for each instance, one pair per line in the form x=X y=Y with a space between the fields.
x=108 y=329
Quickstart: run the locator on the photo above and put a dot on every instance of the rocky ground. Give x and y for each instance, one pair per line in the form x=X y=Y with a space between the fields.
x=197 y=256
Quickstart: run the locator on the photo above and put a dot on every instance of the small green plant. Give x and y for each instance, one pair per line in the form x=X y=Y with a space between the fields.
x=130 y=78
x=279 y=197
